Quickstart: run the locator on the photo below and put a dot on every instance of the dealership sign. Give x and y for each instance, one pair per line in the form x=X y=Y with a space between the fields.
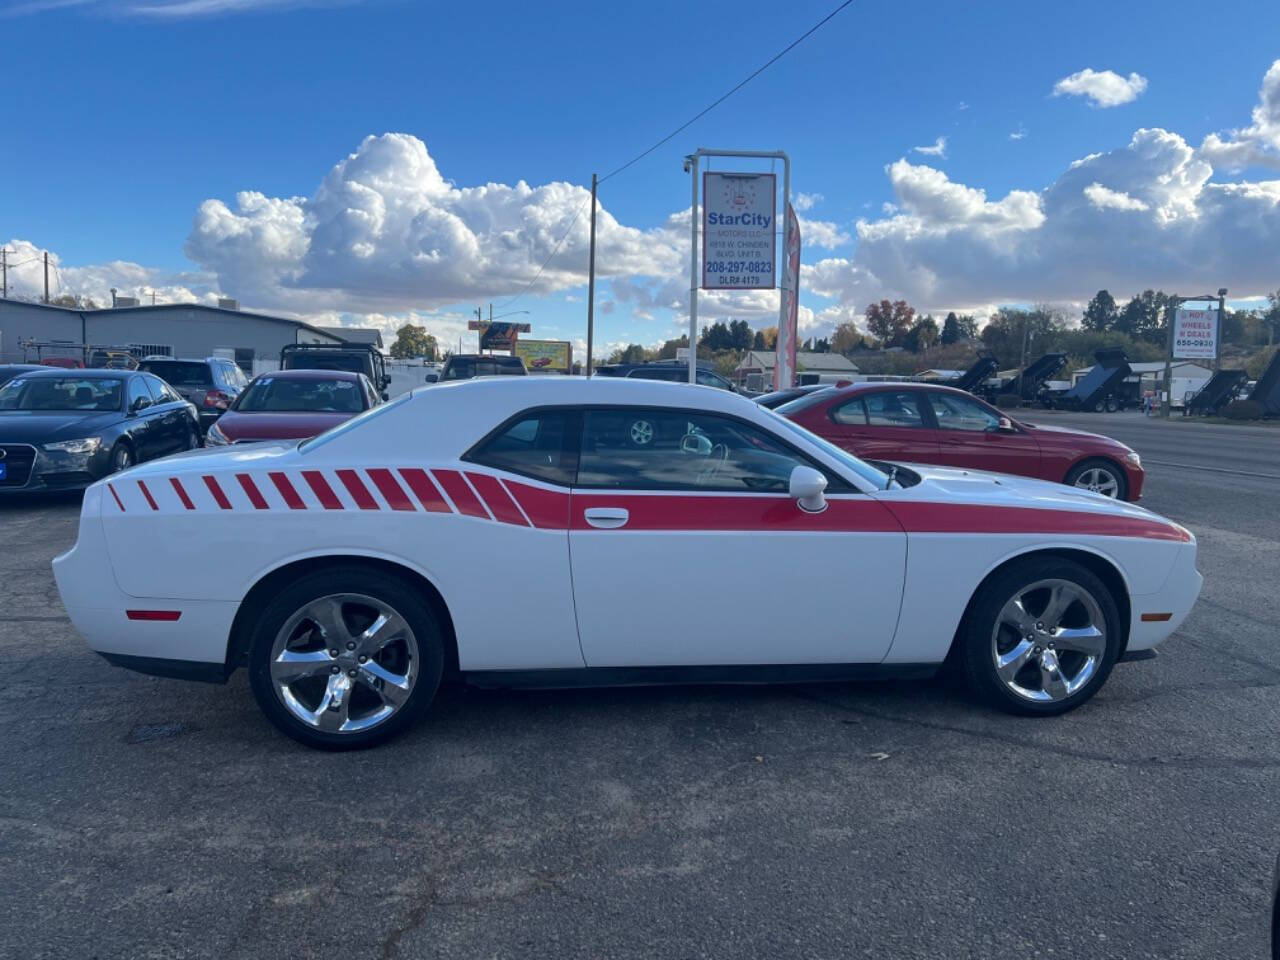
x=1195 y=334
x=545 y=355
x=739 y=222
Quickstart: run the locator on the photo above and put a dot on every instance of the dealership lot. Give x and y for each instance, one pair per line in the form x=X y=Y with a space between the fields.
x=146 y=817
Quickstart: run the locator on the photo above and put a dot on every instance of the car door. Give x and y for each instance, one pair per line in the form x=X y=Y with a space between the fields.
x=168 y=414
x=884 y=425
x=692 y=552
x=969 y=435
x=141 y=426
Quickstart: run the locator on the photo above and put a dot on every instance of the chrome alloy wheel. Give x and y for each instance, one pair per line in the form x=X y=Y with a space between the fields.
x=344 y=663
x=1049 y=640
x=641 y=433
x=1100 y=480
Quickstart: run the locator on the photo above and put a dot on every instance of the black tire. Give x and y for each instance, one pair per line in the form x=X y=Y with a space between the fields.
x=1112 y=405
x=975 y=639
x=1099 y=407
x=1099 y=463
x=122 y=457
x=193 y=438
x=396 y=593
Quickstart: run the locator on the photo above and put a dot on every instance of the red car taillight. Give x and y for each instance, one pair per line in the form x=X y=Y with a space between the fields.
x=217 y=398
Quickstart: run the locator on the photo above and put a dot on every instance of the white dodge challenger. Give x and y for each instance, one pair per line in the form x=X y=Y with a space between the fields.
x=562 y=531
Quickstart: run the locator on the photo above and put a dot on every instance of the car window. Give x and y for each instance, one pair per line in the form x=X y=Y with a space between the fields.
x=961 y=413
x=675 y=374
x=161 y=392
x=61 y=393
x=893 y=409
x=539 y=445
x=712 y=380
x=181 y=373
x=138 y=392
x=853 y=413
x=458 y=369
x=638 y=448
x=229 y=374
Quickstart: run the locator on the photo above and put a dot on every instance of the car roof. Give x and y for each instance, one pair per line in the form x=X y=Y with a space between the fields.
x=881 y=385
x=97 y=373
x=309 y=374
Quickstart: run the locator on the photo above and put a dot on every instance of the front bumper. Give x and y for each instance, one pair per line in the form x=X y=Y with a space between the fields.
x=53 y=471
x=1176 y=598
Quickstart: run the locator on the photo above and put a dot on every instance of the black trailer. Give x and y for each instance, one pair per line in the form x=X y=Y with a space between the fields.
x=1219 y=391
x=1027 y=387
x=1102 y=388
x=1267 y=390
x=975 y=375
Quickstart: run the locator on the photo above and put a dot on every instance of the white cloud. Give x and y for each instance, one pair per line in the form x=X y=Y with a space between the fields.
x=939 y=148
x=821 y=233
x=1257 y=145
x=962 y=106
x=385 y=231
x=1019 y=134
x=1105 y=198
x=806 y=201
x=1105 y=88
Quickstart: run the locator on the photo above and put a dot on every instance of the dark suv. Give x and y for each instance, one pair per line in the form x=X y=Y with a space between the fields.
x=210 y=384
x=676 y=371
x=352 y=357
x=465 y=366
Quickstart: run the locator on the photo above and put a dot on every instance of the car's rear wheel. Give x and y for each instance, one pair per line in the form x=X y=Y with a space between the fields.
x=345 y=658
x=1041 y=637
x=1100 y=476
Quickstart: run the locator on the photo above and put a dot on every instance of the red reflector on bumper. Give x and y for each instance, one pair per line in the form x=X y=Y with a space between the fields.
x=1156 y=617
x=153 y=614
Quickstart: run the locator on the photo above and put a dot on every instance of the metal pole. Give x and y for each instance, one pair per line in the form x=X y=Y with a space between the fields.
x=1022 y=363
x=693 y=268
x=1167 y=404
x=784 y=321
x=1222 y=317
x=46 y=276
x=591 y=279
x=4 y=259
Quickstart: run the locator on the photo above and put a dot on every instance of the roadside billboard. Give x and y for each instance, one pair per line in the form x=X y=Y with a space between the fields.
x=544 y=356
x=739 y=220
x=1195 y=334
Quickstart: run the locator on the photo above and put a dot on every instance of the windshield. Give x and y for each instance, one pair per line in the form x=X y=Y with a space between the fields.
x=804 y=401
x=351 y=362
x=89 y=394
x=179 y=373
x=299 y=395
x=863 y=469
x=347 y=425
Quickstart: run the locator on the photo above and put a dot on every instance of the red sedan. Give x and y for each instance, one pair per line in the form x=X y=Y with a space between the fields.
x=292 y=405
x=919 y=423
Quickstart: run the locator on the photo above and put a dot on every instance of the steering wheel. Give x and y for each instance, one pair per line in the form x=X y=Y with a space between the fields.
x=715 y=460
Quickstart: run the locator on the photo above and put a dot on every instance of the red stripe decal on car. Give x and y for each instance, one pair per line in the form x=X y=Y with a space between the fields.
x=281 y=480
x=546 y=509
x=426 y=492
x=391 y=491
x=219 y=497
x=119 y=502
x=497 y=499
x=985 y=518
x=182 y=494
x=773 y=514
x=251 y=491
x=320 y=487
x=359 y=492
x=147 y=493
x=462 y=496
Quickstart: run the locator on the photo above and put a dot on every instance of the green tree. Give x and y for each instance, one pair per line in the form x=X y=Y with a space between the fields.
x=847 y=338
x=1005 y=331
x=1100 y=314
x=716 y=337
x=668 y=350
x=413 y=341
x=922 y=335
x=1144 y=317
x=1272 y=317
x=950 y=329
x=740 y=335
x=890 y=321
x=757 y=342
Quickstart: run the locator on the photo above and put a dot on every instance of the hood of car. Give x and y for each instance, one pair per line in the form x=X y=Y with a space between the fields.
x=239 y=426
x=956 y=484
x=1066 y=436
x=40 y=426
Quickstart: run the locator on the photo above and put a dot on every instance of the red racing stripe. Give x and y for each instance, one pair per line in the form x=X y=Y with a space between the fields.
x=147 y=493
x=119 y=502
x=985 y=518
x=391 y=491
x=182 y=494
x=291 y=498
x=359 y=492
x=320 y=487
x=251 y=491
x=497 y=499
x=219 y=497
x=420 y=483
x=771 y=514
x=546 y=509
x=461 y=495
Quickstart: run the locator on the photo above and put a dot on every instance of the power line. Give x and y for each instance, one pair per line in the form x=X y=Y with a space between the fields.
x=555 y=250
x=702 y=113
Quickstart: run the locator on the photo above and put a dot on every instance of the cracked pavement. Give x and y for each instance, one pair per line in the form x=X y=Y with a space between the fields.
x=142 y=817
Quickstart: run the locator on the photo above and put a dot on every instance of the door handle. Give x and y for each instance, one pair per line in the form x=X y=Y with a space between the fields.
x=606 y=518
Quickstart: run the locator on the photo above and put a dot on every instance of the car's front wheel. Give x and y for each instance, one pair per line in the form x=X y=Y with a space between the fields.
x=1099 y=476
x=121 y=457
x=1041 y=637
x=345 y=658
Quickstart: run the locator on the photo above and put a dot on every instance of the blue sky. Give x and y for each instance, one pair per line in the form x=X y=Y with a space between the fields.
x=125 y=116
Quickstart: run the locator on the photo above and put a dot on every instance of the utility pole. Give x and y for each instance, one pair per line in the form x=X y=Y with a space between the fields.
x=1022 y=364
x=4 y=268
x=1222 y=318
x=591 y=277
x=1166 y=405
x=46 y=276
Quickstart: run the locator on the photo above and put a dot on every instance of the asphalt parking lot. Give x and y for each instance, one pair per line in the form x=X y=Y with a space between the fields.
x=142 y=817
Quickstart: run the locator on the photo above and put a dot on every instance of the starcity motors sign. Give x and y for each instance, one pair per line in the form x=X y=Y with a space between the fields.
x=1195 y=334
x=739 y=222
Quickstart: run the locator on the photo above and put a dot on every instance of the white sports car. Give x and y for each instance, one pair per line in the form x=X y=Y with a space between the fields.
x=561 y=531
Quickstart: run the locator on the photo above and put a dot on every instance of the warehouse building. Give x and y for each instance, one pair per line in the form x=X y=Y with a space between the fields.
x=191 y=330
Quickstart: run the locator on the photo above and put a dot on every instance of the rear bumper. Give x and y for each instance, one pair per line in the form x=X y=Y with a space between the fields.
x=174 y=669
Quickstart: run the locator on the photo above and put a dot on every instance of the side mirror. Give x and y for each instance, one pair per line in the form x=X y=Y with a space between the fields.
x=1006 y=426
x=433 y=378
x=807 y=487
x=696 y=443
x=385 y=395
x=139 y=403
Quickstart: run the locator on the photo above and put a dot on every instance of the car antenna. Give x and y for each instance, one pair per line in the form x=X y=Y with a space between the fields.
x=893 y=476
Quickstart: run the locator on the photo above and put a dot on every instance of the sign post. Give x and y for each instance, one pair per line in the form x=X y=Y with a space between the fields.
x=740 y=213
x=1193 y=334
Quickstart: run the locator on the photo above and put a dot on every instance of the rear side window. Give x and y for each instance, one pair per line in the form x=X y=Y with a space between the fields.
x=853 y=413
x=674 y=374
x=893 y=409
x=179 y=373
x=540 y=444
